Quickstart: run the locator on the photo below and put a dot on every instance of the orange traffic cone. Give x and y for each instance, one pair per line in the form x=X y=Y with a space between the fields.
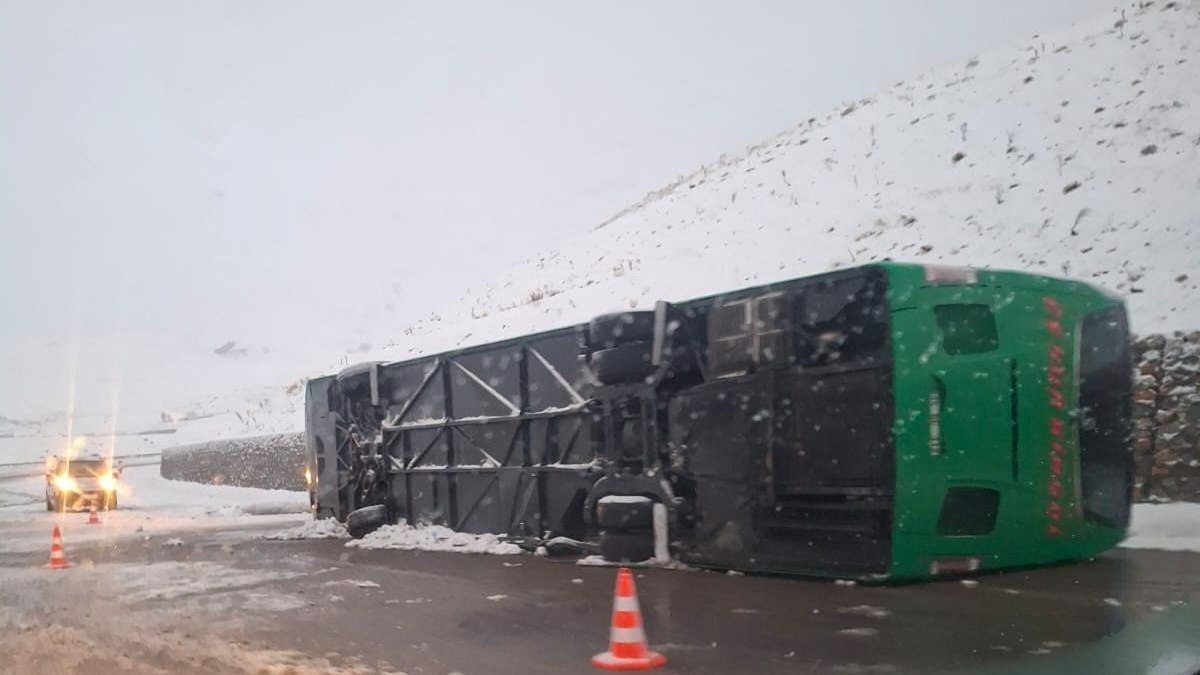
x=627 y=648
x=93 y=517
x=58 y=561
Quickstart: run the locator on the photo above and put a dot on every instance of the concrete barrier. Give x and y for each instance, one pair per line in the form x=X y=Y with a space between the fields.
x=274 y=462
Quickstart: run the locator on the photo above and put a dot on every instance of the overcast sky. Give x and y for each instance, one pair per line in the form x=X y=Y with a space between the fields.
x=274 y=172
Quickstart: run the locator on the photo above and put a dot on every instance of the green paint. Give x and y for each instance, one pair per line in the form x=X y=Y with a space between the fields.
x=978 y=444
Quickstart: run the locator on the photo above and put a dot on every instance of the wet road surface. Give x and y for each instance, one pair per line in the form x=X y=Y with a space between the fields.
x=221 y=601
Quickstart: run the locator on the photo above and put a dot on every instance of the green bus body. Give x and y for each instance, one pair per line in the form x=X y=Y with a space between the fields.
x=1003 y=417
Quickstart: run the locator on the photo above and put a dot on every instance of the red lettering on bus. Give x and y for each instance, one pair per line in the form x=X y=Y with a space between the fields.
x=1054 y=511
x=1057 y=429
x=1052 y=307
x=1054 y=375
x=1055 y=488
x=1056 y=387
x=1056 y=400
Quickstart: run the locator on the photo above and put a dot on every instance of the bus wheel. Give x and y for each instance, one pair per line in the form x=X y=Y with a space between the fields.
x=626 y=546
x=622 y=364
x=362 y=522
x=609 y=330
x=625 y=512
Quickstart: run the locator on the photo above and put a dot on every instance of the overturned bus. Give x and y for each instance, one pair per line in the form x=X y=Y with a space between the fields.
x=886 y=422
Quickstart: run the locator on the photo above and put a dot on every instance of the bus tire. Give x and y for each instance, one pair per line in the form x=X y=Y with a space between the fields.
x=625 y=515
x=619 y=328
x=625 y=363
x=362 y=522
x=621 y=546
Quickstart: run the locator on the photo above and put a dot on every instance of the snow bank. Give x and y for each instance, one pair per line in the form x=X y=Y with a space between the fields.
x=433 y=538
x=322 y=528
x=1168 y=527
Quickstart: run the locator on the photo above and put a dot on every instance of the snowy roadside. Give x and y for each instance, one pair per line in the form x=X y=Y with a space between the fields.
x=324 y=528
x=149 y=507
x=405 y=537
x=1170 y=527
x=1167 y=527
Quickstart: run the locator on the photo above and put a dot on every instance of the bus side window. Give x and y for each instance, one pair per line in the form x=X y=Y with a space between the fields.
x=730 y=338
x=968 y=511
x=842 y=321
x=745 y=333
x=966 y=329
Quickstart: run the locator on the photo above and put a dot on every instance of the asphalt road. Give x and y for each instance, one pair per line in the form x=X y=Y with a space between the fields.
x=230 y=601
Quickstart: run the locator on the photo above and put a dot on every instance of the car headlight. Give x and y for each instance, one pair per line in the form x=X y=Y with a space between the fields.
x=108 y=482
x=65 y=483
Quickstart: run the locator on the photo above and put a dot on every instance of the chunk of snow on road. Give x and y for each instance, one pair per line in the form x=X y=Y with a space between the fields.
x=599 y=561
x=360 y=583
x=1168 y=527
x=845 y=582
x=859 y=632
x=318 y=528
x=174 y=541
x=405 y=537
x=969 y=583
x=869 y=611
x=273 y=602
x=497 y=597
x=577 y=580
x=734 y=573
x=864 y=669
x=1112 y=602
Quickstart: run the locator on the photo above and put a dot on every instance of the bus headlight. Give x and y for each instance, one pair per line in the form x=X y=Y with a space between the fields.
x=65 y=483
x=946 y=274
x=108 y=482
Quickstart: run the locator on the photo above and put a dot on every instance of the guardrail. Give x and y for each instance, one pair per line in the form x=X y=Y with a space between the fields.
x=274 y=461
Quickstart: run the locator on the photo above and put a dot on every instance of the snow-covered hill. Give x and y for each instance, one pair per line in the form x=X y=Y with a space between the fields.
x=1075 y=154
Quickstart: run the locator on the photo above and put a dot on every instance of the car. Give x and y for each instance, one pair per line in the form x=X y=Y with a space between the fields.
x=81 y=482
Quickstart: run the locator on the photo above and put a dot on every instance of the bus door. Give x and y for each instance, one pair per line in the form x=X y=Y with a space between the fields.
x=968 y=393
